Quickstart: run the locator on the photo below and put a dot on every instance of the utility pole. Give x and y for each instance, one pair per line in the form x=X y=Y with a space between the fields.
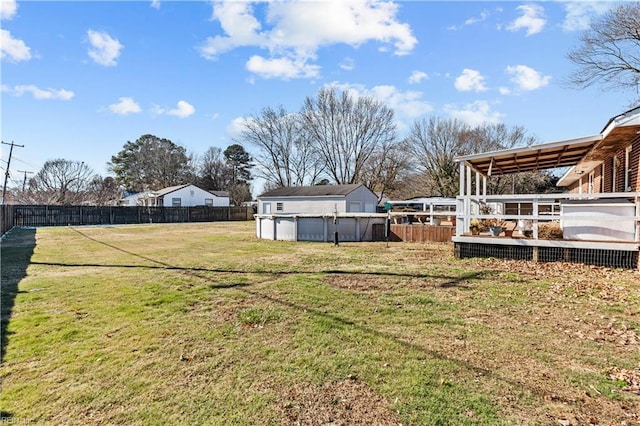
x=6 y=175
x=24 y=182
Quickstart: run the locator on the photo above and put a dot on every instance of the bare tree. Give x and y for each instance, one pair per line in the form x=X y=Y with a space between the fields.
x=608 y=51
x=436 y=142
x=61 y=182
x=103 y=192
x=285 y=155
x=346 y=132
x=387 y=167
x=213 y=171
x=239 y=193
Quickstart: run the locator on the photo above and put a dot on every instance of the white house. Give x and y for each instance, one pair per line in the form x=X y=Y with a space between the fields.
x=318 y=199
x=179 y=196
x=136 y=199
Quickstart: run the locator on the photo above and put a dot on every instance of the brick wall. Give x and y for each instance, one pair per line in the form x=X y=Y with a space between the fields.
x=604 y=183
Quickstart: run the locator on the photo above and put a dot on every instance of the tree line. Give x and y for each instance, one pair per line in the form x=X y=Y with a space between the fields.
x=340 y=138
x=149 y=163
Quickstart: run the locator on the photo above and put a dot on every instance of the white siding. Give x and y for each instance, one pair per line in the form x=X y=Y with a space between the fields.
x=194 y=196
x=367 y=199
x=312 y=205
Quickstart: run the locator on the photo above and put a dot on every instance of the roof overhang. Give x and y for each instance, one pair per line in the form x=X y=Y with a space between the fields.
x=581 y=154
x=617 y=134
x=532 y=158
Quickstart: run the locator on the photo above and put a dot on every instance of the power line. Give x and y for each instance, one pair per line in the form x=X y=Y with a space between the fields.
x=6 y=175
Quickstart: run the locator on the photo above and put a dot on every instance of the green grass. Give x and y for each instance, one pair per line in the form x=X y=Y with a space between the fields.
x=205 y=324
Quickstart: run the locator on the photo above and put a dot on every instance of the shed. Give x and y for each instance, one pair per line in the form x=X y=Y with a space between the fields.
x=318 y=199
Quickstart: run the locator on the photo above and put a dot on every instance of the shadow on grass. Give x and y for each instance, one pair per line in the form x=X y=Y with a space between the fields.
x=459 y=281
x=15 y=254
x=450 y=281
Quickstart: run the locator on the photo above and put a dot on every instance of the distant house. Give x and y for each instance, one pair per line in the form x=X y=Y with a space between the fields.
x=318 y=199
x=178 y=196
x=136 y=199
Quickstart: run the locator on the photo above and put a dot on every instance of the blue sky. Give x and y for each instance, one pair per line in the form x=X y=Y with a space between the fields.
x=81 y=78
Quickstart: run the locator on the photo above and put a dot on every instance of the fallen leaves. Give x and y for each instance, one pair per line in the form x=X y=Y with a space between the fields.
x=630 y=377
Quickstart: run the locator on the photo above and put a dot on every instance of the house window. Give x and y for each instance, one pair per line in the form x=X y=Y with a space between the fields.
x=627 y=169
x=592 y=177
x=192 y=193
x=279 y=207
x=266 y=208
x=208 y=201
x=176 y=202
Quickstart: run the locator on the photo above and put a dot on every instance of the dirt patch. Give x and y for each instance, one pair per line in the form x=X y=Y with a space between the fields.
x=349 y=402
x=369 y=283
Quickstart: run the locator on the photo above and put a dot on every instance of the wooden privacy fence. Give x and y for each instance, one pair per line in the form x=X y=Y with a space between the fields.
x=6 y=218
x=421 y=233
x=41 y=215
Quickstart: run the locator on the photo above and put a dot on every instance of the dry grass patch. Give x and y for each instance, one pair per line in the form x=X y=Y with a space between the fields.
x=348 y=402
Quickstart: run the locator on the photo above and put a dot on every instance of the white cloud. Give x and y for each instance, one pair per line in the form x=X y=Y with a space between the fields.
x=405 y=104
x=470 y=80
x=348 y=64
x=532 y=19
x=184 y=109
x=239 y=25
x=475 y=19
x=125 y=106
x=37 y=93
x=504 y=90
x=296 y=30
x=484 y=15
x=579 y=14
x=13 y=49
x=104 y=49
x=285 y=68
x=155 y=4
x=475 y=114
x=417 y=76
x=235 y=128
x=526 y=78
x=8 y=9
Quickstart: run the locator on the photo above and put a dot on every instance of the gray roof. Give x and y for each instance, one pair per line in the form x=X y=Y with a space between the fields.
x=312 y=191
x=167 y=190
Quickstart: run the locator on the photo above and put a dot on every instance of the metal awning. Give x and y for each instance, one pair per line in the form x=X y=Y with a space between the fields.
x=531 y=158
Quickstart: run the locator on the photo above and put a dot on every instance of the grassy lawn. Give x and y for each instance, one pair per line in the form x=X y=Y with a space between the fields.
x=205 y=324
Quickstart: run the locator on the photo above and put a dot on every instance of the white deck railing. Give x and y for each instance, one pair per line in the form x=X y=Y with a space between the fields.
x=540 y=208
